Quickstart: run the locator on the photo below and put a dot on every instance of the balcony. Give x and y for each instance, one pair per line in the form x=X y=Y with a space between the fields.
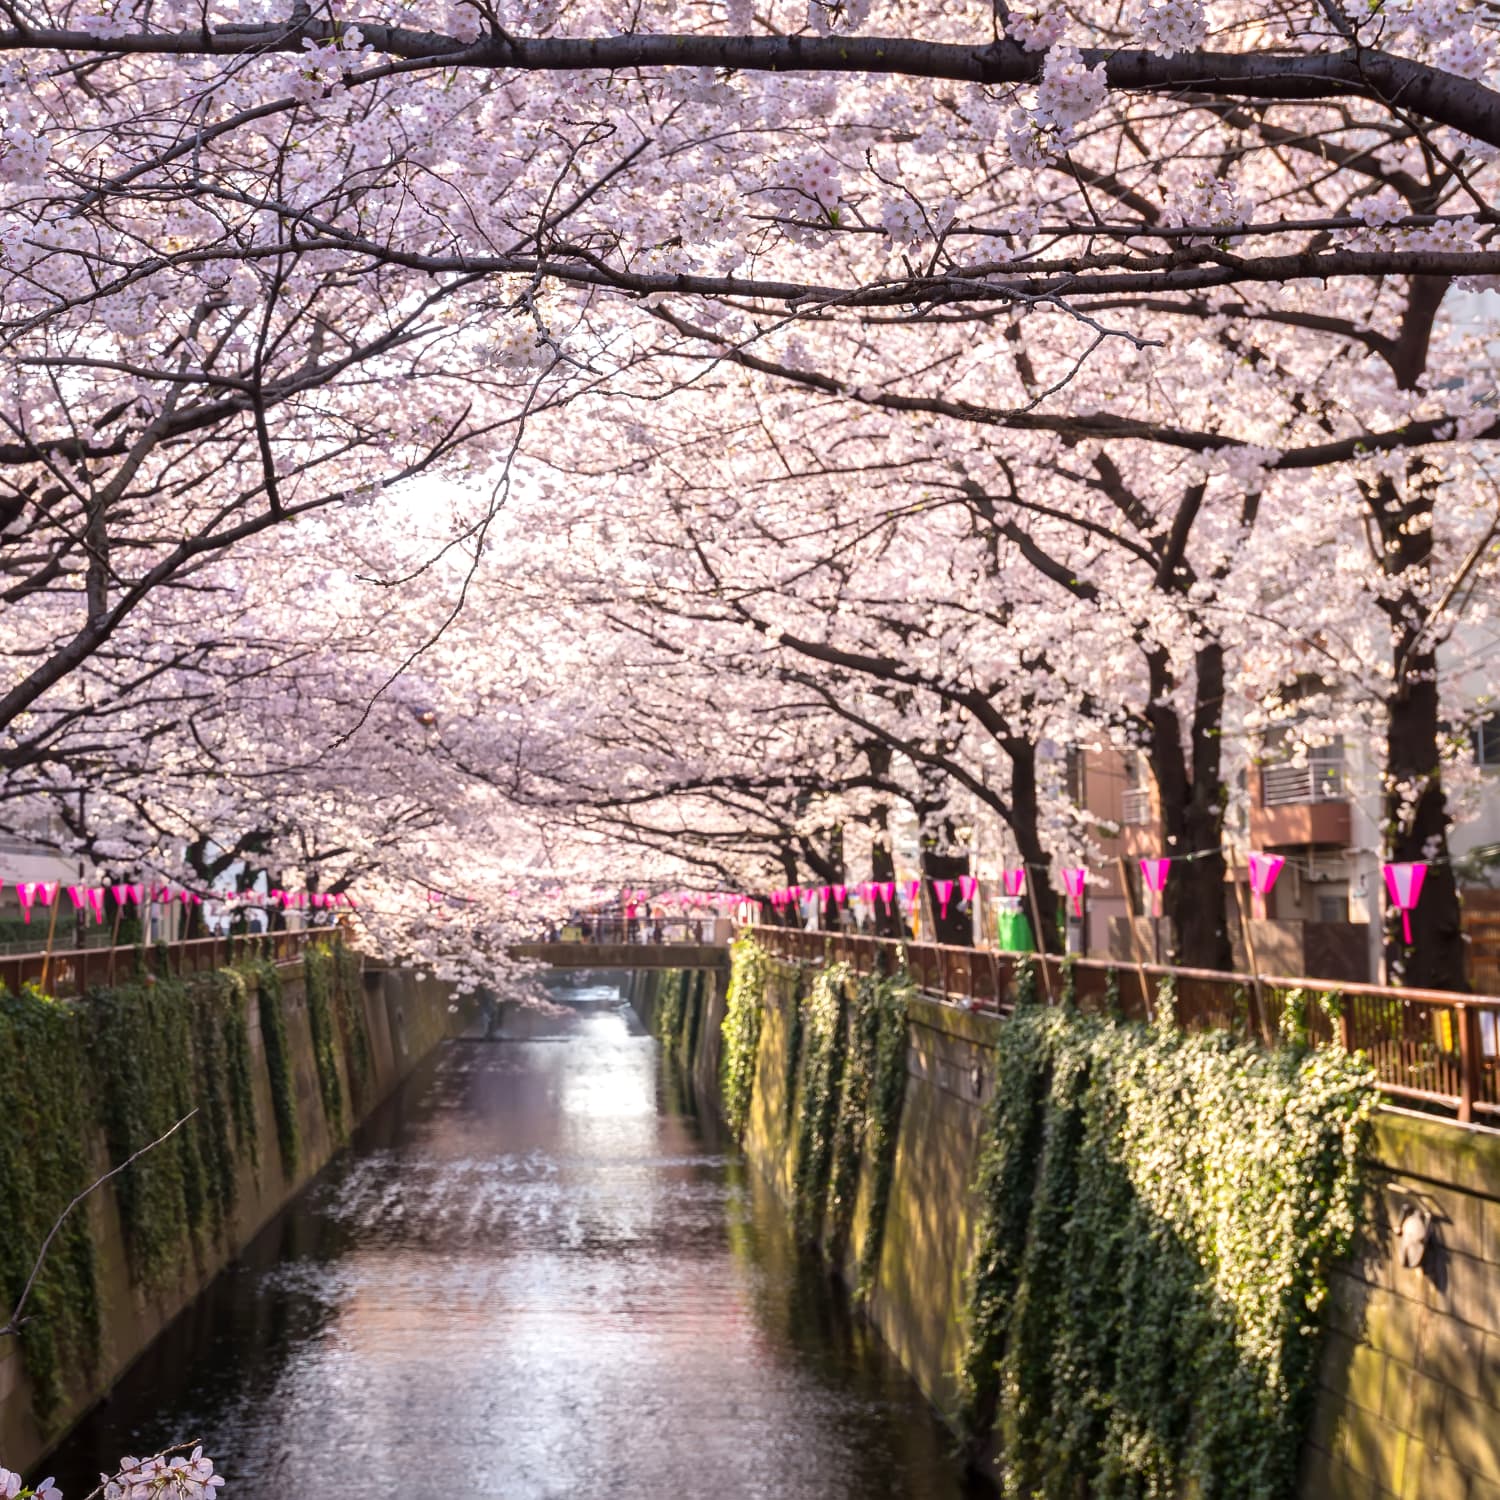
x=1320 y=780
x=1300 y=805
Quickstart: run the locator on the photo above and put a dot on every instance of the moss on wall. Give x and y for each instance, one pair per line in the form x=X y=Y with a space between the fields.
x=278 y=1062
x=320 y=979
x=43 y=1164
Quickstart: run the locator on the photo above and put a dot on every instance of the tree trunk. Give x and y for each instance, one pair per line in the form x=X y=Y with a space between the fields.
x=1026 y=830
x=888 y=920
x=1435 y=960
x=1416 y=807
x=956 y=927
x=1192 y=815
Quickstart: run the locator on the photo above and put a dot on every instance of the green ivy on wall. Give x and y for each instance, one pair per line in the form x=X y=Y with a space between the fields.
x=349 y=1001
x=222 y=1085
x=1158 y=1217
x=879 y=1047
x=42 y=1167
x=750 y=969
x=141 y=1035
x=278 y=1062
x=130 y=1062
x=695 y=986
x=668 y=1014
x=824 y=1041
x=847 y=1046
x=320 y=979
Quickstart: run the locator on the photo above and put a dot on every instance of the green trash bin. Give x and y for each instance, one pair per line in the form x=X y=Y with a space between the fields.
x=1013 y=932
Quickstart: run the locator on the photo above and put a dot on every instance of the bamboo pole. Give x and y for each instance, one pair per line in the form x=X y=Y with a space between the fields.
x=1041 y=937
x=114 y=939
x=1256 y=987
x=51 y=935
x=1135 y=941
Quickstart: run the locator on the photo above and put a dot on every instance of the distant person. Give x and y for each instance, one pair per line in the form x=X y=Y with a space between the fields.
x=658 y=935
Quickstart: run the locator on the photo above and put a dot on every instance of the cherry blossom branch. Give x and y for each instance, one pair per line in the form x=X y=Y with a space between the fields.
x=1353 y=72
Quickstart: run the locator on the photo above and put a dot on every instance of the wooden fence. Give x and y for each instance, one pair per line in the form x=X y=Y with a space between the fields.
x=1430 y=1048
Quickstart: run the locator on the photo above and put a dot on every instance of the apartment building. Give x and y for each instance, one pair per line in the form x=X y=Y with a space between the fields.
x=1320 y=808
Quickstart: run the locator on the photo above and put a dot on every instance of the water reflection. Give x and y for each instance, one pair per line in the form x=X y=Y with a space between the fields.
x=536 y=1274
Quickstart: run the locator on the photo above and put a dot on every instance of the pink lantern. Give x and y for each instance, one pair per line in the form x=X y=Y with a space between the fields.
x=1264 y=868
x=841 y=894
x=887 y=889
x=1074 y=880
x=25 y=894
x=1404 y=882
x=944 y=889
x=128 y=893
x=45 y=891
x=967 y=887
x=913 y=890
x=825 y=895
x=1155 y=872
x=1014 y=881
x=96 y=902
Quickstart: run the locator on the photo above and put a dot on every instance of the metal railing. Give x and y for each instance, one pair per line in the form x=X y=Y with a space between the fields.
x=629 y=930
x=1320 y=780
x=75 y=971
x=1426 y=1047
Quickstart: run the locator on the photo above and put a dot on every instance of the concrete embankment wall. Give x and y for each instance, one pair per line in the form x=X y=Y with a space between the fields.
x=1409 y=1392
x=404 y=1020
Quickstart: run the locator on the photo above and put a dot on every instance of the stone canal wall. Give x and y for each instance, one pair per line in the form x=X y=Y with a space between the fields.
x=309 y=1073
x=1407 y=1395
x=1409 y=1401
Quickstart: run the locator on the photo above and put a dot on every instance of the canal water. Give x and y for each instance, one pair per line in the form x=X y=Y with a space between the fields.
x=538 y=1273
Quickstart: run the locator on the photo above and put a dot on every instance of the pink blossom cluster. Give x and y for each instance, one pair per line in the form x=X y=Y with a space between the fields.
x=11 y=1488
x=164 y=1478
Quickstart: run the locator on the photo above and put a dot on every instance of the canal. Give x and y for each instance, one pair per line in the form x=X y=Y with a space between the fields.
x=538 y=1272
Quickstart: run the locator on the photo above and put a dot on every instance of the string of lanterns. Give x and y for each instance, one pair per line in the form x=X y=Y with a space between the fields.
x=91 y=898
x=1403 y=881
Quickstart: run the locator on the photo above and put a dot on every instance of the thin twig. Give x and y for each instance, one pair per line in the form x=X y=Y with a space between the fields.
x=17 y=1322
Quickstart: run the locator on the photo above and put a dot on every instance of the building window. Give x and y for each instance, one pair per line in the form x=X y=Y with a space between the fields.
x=1333 y=908
x=1487 y=742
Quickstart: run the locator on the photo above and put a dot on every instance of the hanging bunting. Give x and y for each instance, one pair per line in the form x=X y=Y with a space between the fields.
x=1404 y=882
x=1264 y=868
x=1155 y=872
x=1074 y=880
x=944 y=889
